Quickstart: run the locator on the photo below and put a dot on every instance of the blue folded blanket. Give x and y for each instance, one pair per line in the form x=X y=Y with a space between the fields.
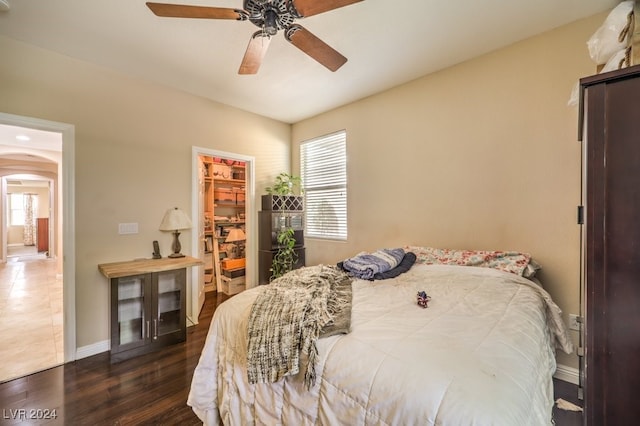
x=407 y=262
x=366 y=265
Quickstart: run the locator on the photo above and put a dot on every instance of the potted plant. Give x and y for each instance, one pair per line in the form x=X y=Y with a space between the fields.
x=285 y=184
x=284 y=194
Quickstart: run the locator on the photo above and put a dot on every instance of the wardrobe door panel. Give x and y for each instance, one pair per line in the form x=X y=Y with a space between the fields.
x=612 y=332
x=622 y=236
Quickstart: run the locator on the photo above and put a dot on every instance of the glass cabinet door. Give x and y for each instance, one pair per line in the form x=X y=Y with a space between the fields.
x=171 y=295
x=131 y=309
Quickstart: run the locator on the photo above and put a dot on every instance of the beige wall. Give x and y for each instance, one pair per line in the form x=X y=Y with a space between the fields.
x=15 y=235
x=133 y=143
x=483 y=155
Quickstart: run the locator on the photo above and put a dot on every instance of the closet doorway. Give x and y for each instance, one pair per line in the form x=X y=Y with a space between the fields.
x=36 y=285
x=224 y=211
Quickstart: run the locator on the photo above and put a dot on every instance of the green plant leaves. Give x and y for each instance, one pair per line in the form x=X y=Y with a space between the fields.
x=285 y=184
x=285 y=257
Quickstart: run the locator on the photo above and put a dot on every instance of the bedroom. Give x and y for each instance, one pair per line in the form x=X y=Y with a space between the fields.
x=502 y=117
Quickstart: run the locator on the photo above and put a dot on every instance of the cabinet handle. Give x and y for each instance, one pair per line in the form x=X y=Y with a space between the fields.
x=148 y=330
x=155 y=329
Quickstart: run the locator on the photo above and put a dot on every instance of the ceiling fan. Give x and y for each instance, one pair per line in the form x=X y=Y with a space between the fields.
x=270 y=16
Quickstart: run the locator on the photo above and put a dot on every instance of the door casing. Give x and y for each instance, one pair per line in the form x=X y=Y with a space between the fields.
x=197 y=212
x=66 y=174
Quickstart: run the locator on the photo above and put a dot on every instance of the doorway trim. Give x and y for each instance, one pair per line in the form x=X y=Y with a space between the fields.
x=250 y=219
x=67 y=174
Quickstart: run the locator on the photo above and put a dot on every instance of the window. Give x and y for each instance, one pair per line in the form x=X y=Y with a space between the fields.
x=16 y=209
x=323 y=169
x=22 y=207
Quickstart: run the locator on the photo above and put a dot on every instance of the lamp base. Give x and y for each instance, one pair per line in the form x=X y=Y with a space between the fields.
x=176 y=247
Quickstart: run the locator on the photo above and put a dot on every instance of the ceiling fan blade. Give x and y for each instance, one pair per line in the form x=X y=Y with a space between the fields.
x=204 y=12
x=301 y=38
x=255 y=52
x=313 y=7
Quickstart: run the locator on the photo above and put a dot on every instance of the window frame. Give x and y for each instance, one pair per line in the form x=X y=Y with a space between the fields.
x=13 y=211
x=317 y=186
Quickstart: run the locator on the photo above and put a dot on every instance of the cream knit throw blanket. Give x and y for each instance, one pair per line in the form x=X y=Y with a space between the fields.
x=287 y=318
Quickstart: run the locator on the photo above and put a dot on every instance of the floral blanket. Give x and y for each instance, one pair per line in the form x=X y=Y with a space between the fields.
x=508 y=261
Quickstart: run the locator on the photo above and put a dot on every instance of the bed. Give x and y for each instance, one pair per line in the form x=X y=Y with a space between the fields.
x=482 y=352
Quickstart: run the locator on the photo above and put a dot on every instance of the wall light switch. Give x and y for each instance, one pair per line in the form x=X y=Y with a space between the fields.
x=574 y=322
x=127 y=228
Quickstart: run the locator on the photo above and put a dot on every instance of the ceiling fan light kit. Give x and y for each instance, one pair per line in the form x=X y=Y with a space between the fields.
x=270 y=16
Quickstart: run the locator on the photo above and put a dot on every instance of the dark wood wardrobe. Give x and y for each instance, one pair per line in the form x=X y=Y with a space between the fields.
x=609 y=129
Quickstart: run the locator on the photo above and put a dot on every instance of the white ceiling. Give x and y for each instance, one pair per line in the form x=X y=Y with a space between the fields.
x=387 y=43
x=20 y=155
x=14 y=136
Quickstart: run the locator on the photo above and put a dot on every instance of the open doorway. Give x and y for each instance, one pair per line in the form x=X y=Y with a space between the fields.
x=36 y=281
x=31 y=291
x=225 y=223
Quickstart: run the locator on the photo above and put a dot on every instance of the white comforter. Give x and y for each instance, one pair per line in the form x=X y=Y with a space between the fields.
x=482 y=353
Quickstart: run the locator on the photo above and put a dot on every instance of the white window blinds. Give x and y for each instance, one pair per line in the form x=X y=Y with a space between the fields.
x=16 y=209
x=323 y=169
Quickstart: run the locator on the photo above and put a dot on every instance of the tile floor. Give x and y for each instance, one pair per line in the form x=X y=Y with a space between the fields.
x=31 y=326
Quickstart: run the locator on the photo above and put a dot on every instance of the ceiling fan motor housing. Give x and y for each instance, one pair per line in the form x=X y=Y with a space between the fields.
x=271 y=15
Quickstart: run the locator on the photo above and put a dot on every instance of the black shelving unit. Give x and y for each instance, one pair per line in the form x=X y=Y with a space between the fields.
x=279 y=211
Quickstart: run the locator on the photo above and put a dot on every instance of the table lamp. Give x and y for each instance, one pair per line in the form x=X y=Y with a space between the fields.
x=236 y=234
x=175 y=220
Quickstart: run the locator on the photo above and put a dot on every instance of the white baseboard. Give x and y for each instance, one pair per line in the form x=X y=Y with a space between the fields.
x=94 y=349
x=567 y=374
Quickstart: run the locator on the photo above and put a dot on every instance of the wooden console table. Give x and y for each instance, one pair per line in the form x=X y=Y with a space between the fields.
x=148 y=304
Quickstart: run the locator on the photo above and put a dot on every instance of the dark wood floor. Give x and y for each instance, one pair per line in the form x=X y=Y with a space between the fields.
x=151 y=389
x=568 y=392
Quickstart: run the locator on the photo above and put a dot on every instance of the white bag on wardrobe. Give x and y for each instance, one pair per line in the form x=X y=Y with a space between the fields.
x=604 y=43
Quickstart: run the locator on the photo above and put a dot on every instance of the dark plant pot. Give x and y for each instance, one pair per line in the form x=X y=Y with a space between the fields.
x=282 y=202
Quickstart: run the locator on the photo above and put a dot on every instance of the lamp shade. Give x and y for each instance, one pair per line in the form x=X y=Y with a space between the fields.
x=174 y=220
x=235 y=234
